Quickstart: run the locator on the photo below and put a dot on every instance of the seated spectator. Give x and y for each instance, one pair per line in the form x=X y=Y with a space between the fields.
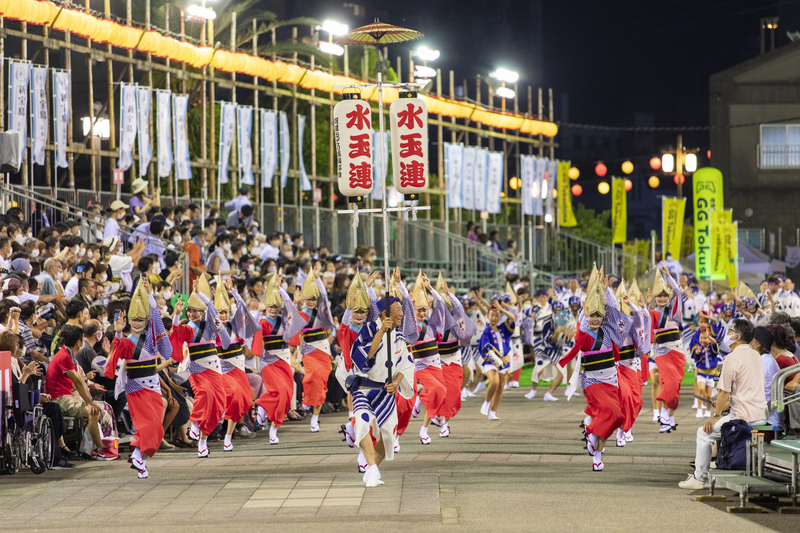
x=782 y=349
x=762 y=343
x=741 y=389
x=63 y=378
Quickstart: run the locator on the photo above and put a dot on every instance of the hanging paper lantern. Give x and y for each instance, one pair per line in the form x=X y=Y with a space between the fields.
x=600 y=169
x=679 y=177
x=573 y=173
x=708 y=154
x=352 y=119
x=603 y=187
x=627 y=167
x=408 y=118
x=628 y=185
x=577 y=190
x=555 y=193
x=653 y=181
x=655 y=163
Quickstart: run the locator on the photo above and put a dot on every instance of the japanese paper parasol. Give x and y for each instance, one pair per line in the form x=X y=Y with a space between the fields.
x=376 y=34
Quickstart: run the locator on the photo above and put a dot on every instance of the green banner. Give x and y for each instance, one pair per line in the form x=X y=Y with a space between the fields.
x=707 y=199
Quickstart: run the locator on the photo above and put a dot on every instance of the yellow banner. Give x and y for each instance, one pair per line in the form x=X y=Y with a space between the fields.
x=708 y=197
x=688 y=241
x=566 y=218
x=719 y=251
x=731 y=243
x=672 y=226
x=619 y=211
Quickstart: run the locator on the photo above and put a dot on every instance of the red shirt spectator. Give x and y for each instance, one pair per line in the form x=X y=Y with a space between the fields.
x=58 y=384
x=785 y=361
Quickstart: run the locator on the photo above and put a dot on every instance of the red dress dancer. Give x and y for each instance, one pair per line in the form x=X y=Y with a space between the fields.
x=205 y=372
x=668 y=346
x=423 y=332
x=458 y=332
x=281 y=322
x=138 y=377
x=597 y=340
x=239 y=397
x=315 y=350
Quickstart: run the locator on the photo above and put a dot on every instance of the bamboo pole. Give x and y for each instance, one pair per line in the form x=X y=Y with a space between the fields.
x=93 y=177
x=298 y=197
x=150 y=172
x=135 y=148
x=440 y=146
x=112 y=137
x=212 y=123
x=171 y=189
x=47 y=169
x=25 y=156
x=186 y=190
x=234 y=153
x=313 y=132
x=279 y=185
x=259 y=196
x=204 y=124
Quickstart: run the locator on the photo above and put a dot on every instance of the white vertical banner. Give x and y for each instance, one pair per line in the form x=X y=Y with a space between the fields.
x=305 y=183
x=245 y=132
x=408 y=120
x=286 y=151
x=61 y=87
x=183 y=169
x=269 y=146
x=479 y=173
x=143 y=99
x=539 y=188
x=164 y=99
x=227 y=131
x=379 y=168
x=39 y=124
x=527 y=164
x=127 y=125
x=494 y=182
x=19 y=77
x=468 y=179
x=552 y=175
x=453 y=171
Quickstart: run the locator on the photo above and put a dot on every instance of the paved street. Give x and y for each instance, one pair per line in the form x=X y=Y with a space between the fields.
x=527 y=470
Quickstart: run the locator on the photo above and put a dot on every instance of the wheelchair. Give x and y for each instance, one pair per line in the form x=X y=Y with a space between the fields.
x=27 y=432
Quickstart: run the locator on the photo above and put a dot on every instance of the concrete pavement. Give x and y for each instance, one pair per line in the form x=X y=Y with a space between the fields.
x=525 y=471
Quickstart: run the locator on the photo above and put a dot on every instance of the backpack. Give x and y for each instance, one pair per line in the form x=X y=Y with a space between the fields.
x=732 y=448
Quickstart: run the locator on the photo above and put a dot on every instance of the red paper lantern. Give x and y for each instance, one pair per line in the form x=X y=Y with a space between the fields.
x=655 y=163
x=709 y=154
x=577 y=190
x=600 y=169
x=677 y=177
x=628 y=185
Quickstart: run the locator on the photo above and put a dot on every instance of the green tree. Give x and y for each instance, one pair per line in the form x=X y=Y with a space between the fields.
x=592 y=225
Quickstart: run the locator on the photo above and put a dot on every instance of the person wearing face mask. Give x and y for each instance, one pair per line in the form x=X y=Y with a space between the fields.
x=205 y=371
x=287 y=252
x=598 y=341
x=272 y=248
x=5 y=253
x=96 y=345
x=197 y=259
x=217 y=258
x=668 y=350
x=314 y=345
x=741 y=389
x=140 y=351
x=116 y=213
x=84 y=270
x=281 y=322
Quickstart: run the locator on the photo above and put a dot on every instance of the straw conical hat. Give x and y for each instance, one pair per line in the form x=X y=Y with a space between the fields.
x=272 y=294
x=140 y=305
x=440 y=283
x=202 y=287
x=357 y=296
x=634 y=292
x=420 y=295
x=310 y=290
x=221 y=300
x=622 y=306
x=595 y=299
x=660 y=286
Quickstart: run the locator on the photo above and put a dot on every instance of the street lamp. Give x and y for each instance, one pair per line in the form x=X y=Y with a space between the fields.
x=677 y=162
x=504 y=92
x=504 y=75
x=330 y=48
x=424 y=72
x=426 y=54
x=334 y=28
x=200 y=13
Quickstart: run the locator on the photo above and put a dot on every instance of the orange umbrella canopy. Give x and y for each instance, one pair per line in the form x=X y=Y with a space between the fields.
x=377 y=33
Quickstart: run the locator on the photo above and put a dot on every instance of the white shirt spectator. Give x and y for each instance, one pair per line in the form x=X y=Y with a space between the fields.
x=770 y=369
x=72 y=288
x=270 y=252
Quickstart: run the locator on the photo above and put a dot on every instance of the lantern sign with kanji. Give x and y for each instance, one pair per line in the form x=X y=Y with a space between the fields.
x=408 y=116
x=352 y=126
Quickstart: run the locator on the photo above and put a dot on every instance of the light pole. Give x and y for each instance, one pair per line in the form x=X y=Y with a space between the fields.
x=503 y=76
x=675 y=163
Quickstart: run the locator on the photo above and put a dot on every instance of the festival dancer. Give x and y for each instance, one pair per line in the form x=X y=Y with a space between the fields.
x=314 y=343
x=205 y=371
x=427 y=362
x=138 y=373
x=517 y=357
x=477 y=308
x=457 y=335
x=634 y=331
x=374 y=390
x=240 y=326
x=405 y=406
x=597 y=342
x=279 y=325
x=706 y=357
x=667 y=346
x=361 y=308
x=494 y=346
x=543 y=342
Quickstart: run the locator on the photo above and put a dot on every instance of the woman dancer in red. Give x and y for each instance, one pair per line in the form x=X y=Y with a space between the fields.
x=281 y=322
x=597 y=341
x=139 y=351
